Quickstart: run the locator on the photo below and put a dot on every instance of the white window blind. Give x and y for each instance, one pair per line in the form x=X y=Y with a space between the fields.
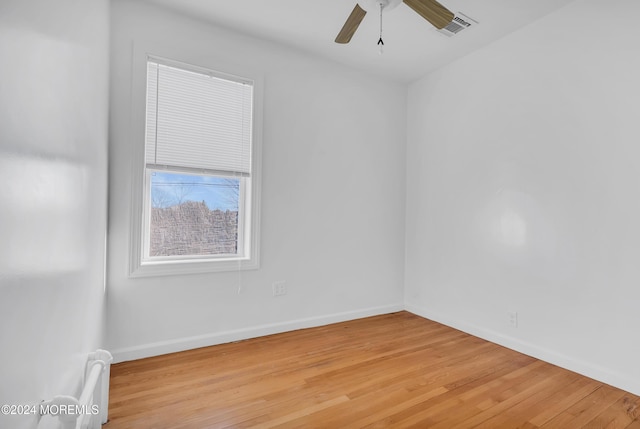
x=198 y=121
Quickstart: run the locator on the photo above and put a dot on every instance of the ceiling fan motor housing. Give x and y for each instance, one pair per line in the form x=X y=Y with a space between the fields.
x=374 y=5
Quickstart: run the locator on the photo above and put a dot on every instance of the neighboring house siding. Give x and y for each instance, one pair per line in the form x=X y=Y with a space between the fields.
x=191 y=228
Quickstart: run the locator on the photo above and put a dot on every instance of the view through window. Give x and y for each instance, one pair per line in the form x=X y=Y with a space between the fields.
x=193 y=215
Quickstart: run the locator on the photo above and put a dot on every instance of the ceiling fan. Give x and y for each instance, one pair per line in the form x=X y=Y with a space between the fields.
x=438 y=15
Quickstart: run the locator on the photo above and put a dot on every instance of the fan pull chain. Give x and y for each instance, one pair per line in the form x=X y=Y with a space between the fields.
x=380 y=41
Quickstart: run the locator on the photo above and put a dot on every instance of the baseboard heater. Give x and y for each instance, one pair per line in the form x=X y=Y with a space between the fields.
x=91 y=409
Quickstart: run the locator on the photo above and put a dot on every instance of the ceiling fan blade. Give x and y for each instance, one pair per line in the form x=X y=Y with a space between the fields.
x=349 y=28
x=438 y=15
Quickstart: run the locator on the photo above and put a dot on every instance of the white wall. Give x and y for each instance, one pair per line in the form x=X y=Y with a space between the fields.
x=524 y=191
x=53 y=170
x=332 y=193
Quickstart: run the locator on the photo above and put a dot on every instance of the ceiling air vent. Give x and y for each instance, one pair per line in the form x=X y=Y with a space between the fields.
x=459 y=23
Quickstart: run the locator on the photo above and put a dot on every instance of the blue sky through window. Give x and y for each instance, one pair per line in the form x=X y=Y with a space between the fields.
x=168 y=189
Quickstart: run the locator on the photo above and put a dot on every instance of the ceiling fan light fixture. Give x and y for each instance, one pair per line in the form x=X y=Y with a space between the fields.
x=374 y=5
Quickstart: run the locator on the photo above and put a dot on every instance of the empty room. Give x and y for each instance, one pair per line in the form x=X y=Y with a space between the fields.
x=303 y=214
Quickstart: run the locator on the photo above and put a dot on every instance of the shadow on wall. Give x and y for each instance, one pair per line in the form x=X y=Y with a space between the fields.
x=44 y=201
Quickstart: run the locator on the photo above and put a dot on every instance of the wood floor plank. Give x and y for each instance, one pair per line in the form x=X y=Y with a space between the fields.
x=579 y=414
x=555 y=404
x=396 y=370
x=518 y=414
x=480 y=403
x=619 y=415
x=449 y=402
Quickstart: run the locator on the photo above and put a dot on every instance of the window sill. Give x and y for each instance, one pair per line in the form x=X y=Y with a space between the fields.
x=185 y=267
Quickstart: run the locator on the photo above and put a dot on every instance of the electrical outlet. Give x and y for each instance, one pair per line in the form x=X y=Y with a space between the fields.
x=279 y=288
x=513 y=318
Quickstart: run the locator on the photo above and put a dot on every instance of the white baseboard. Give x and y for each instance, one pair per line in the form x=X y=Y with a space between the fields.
x=602 y=374
x=188 y=343
x=596 y=372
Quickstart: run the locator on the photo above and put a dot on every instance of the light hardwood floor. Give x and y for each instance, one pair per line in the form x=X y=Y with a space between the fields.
x=397 y=370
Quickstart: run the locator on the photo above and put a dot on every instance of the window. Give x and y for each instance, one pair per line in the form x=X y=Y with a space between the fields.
x=199 y=206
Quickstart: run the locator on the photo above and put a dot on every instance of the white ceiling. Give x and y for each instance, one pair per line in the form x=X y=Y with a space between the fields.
x=412 y=46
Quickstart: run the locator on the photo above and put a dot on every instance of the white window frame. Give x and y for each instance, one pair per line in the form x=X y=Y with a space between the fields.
x=139 y=264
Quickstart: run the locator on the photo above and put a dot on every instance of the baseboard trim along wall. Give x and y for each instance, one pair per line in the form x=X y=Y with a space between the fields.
x=605 y=375
x=188 y=343
x=602 y=374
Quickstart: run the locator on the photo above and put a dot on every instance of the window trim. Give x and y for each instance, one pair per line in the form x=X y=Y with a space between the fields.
x=138 y=266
